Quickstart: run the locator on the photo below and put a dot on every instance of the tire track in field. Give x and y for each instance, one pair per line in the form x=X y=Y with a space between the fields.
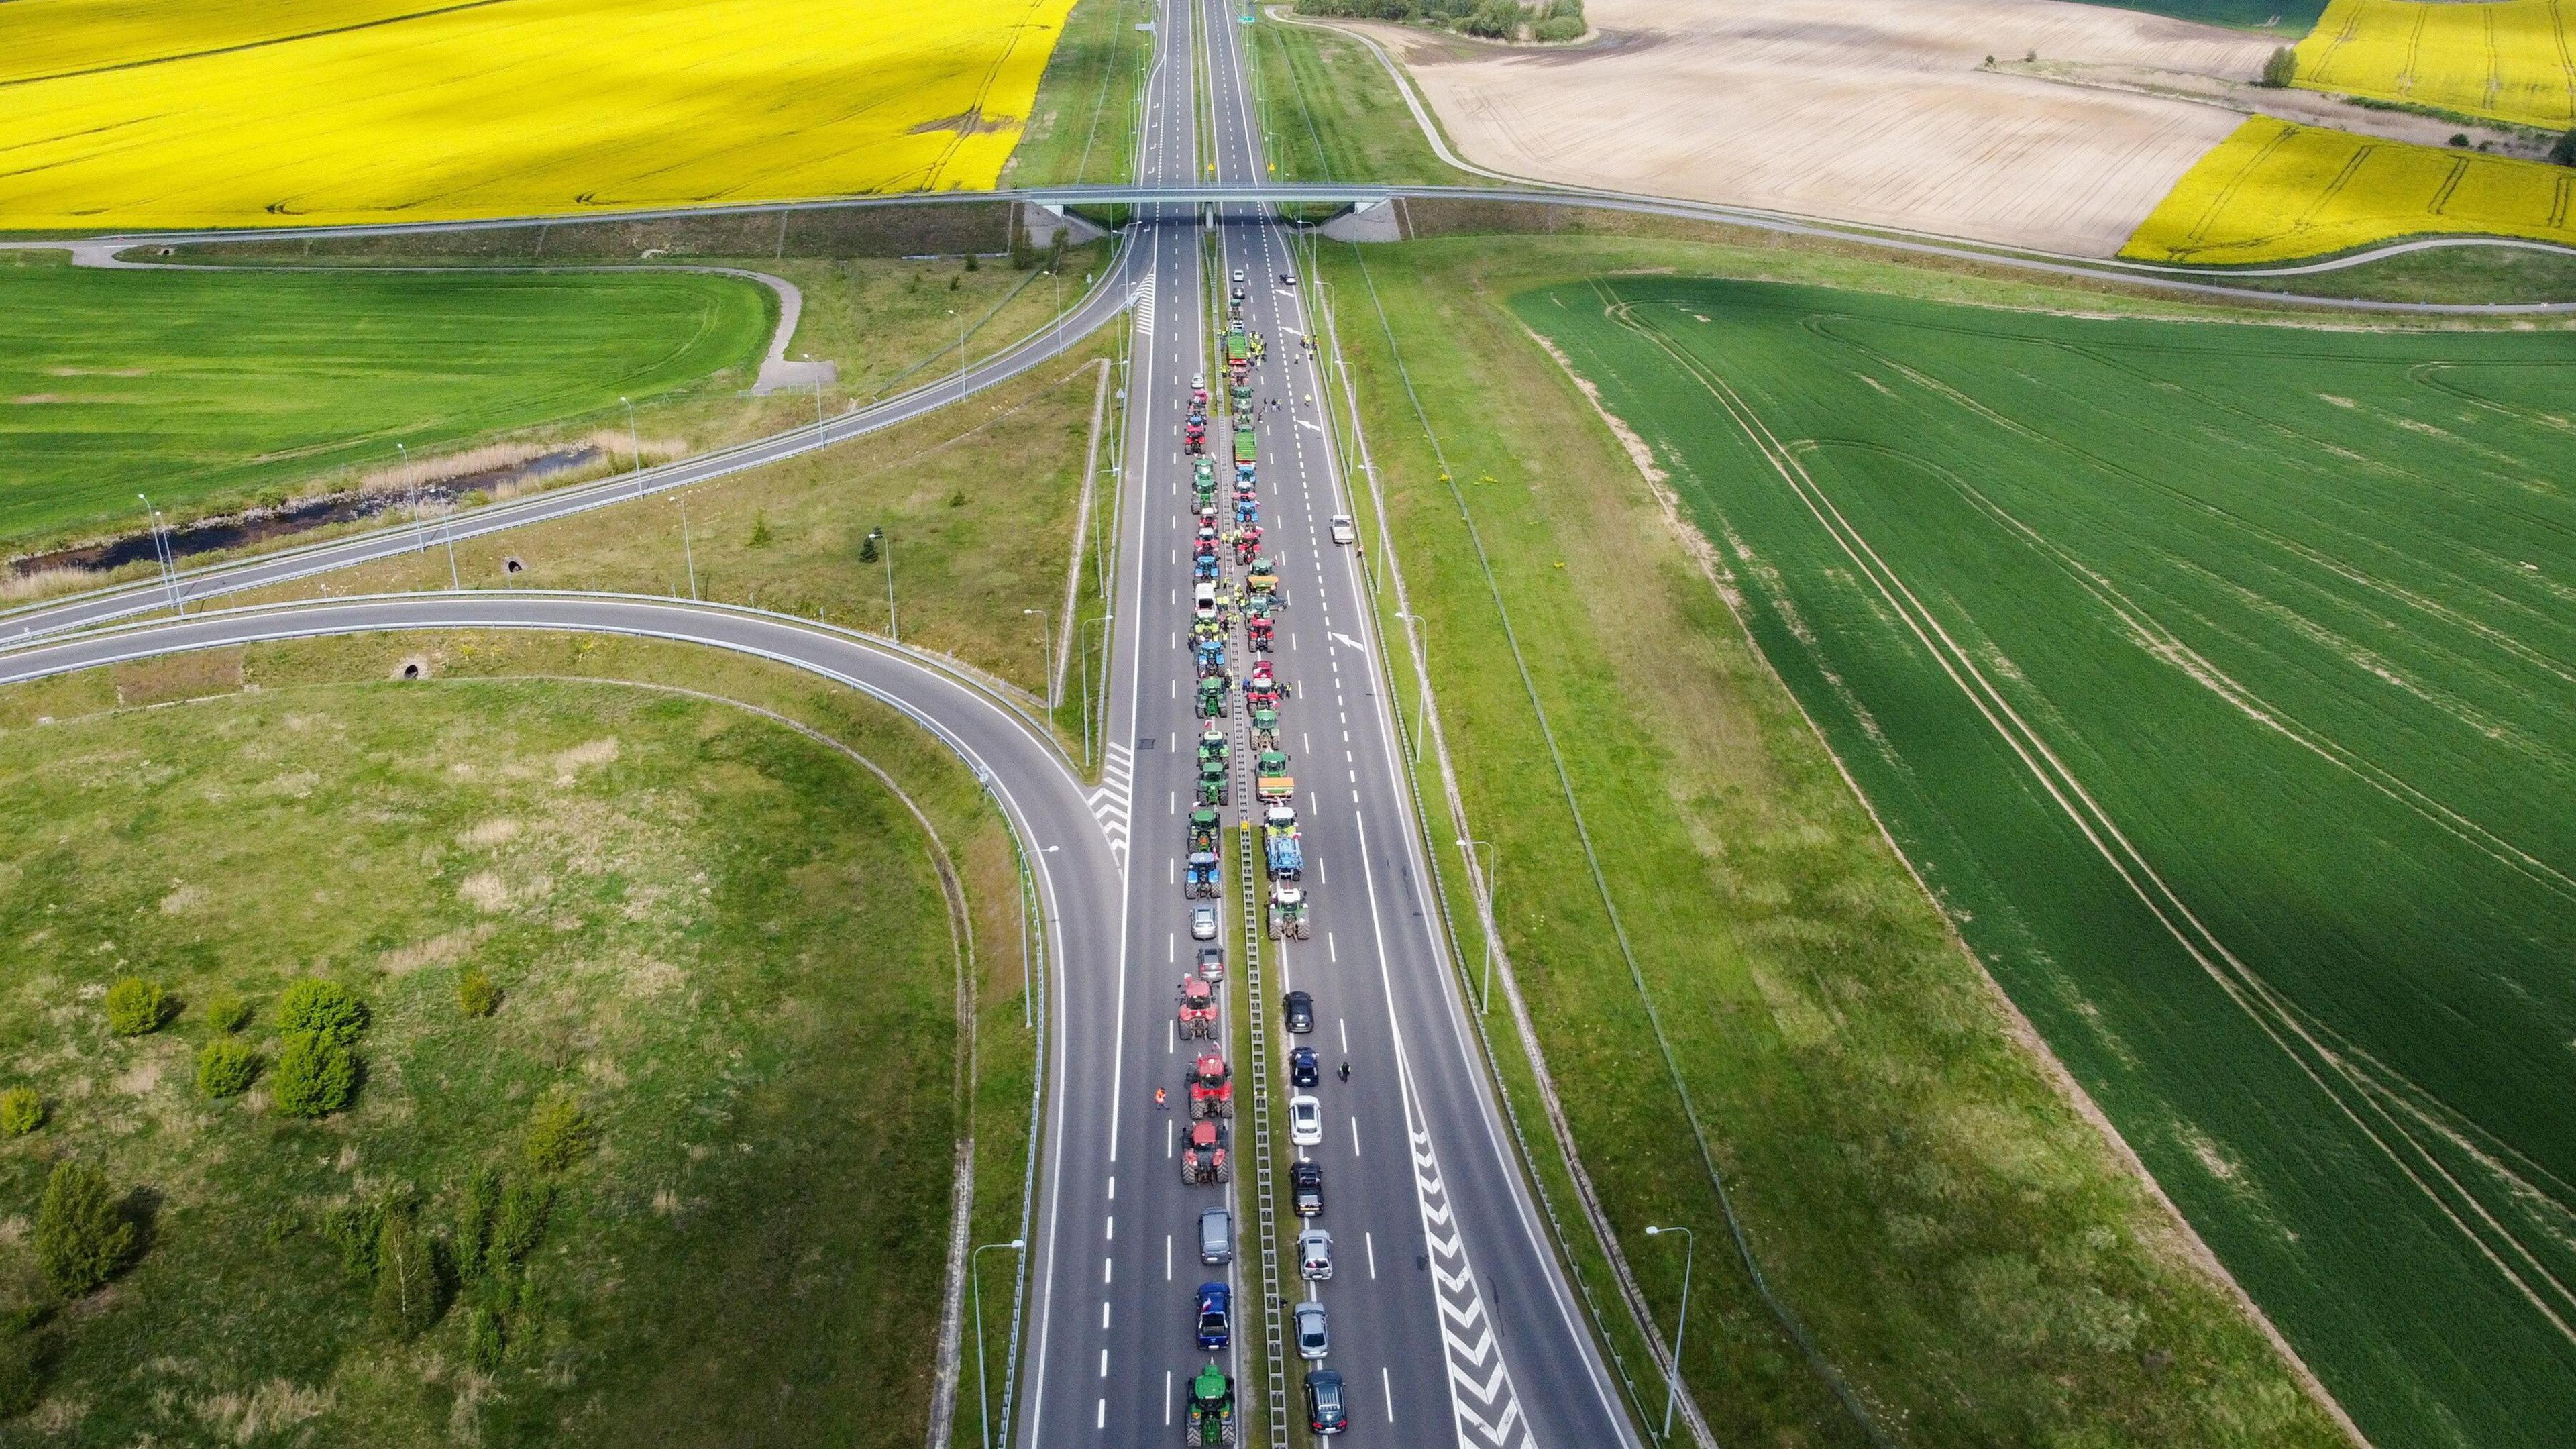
x=2358 y=1094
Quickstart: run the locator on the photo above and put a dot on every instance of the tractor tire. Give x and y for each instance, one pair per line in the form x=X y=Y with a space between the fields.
x=1225 y=1170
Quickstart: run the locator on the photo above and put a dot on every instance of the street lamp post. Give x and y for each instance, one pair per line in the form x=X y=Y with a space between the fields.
x=885 y=549
x=418 y=542
x=1681 y=1323
x=983 y=1390
x=817 y=374
x=961 y=340
x=635 y=441
x=1419 y=639
x=162 y=559
x=1103 y=623
x=1485 y=907
x=686 y=552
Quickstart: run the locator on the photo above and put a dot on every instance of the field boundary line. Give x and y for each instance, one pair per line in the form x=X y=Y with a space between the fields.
x=2279 y=1018
x=1744 y=1248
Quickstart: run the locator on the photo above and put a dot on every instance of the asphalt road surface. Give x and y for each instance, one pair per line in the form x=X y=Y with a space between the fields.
x=1451 y=1322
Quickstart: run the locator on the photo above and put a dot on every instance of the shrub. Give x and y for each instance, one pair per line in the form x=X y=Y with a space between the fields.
x=136 y=1007
x=225 y=1068
x=2280 y=68
x=322 y=1008
x=519 y=1223
x=760 y=534
x=559 y=1135
x=868 y=547
x=483 y=1340
x=957 y=499
x=228 y=1013
x=408 y=1297
x=21 y=1111
x=1495 y=20
x=313 y=1077
x=1558 y=30
x=2460 y=139
x=474 y=1214
x=2564 y=150
x=82 y=1238
x=475 y=993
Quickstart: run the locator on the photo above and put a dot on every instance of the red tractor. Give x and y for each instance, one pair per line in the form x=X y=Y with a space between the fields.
x=1257 y=632
x=1247 y=543
x=1204 y=1159
x=1195 y=434
x=1211 y=1085
x=1198 y=1009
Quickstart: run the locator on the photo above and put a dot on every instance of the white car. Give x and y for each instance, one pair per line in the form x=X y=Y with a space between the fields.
x=1314 y=1334
x=1305 y=1120
x=1203 y=923
x=1198 y=380
x=1314 y=1255
x=1238 y=276
x=1343 y=532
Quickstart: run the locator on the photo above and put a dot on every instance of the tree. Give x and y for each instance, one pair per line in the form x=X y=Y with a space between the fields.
x=314 y=1076
x=475 y=993
x=21 y=1111
x=322 y=1008
x=407 y=1298
x=760 y=534
x=225 y=1068
x=559 y=1135
x=2564 y=152
x=82 y=1236
x=136 y=1007
x=2280 y=68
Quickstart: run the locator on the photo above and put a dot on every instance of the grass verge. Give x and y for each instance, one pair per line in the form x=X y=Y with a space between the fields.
x=977 y=503
x=760 y=1020
x=1962 y=1246
x=1329 y=111
x=1082 y=127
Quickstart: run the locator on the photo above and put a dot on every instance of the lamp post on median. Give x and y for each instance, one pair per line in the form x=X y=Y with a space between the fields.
x=1681 y=1323
x=1485 y=907
x=162 y=560
x=983 y=1390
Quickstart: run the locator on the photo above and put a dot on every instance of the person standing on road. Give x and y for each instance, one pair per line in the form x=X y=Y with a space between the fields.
x=1346 y=1071
x=1162 y=1105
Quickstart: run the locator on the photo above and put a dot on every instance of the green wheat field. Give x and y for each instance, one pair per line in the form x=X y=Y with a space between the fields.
x=2220 y=681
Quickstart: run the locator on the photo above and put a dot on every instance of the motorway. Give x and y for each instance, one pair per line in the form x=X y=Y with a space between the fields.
x=1452 y=1322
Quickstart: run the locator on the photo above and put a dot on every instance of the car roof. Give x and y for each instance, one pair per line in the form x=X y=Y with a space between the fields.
x=1299 y=996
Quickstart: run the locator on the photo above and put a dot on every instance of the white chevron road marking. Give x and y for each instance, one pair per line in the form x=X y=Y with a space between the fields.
x=1486 y=1407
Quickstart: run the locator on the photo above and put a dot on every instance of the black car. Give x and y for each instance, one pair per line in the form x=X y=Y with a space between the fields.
x=1301 y=1067
x=1301 y=1012
x=1306 y=1188
x=1325 y=1413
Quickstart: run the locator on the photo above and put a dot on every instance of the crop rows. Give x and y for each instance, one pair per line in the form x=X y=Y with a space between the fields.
x=343 y=111
x=2221 y=683
x=2511 y=61
x=2275 y=191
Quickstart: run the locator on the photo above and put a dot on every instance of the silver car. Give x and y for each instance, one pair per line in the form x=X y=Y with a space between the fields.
x=1315 y=1255
x=1314 y=1339
x=1203 y=923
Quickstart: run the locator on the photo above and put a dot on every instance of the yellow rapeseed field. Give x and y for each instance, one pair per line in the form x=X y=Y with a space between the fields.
x=2275 y=191
x=2512 y=61
x=198 y=113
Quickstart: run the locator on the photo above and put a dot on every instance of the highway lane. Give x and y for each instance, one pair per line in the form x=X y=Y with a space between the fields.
x=1109 y=296
x=1477 y=1337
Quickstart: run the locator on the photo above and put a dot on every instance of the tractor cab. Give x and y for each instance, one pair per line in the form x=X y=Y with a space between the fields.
x=1247 y=509
x=1209 y=655
x=1212 y=745
x=1265 y=722
x=1204 y=1157
x=1213 y=789
x=1211 y=1084
x=1203 y=826
x=1212 y=698
x=1198 y=878
x=1211 y=1409
x=1258 y=632
x=1198 y=1009
x=1247 y=542
x=1204 y=567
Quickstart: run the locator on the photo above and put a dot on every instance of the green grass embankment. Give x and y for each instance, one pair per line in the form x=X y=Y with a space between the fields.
x=1329 y=111
x=727 y=945
x=1960 y=1244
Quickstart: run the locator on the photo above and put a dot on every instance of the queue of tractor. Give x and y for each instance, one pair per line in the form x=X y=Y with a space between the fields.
x=1228 y=614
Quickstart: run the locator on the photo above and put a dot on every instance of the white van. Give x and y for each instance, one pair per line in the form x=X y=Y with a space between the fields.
x=1203 y=599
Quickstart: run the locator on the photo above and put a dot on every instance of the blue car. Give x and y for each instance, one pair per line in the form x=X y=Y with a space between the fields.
x=1214 y=1321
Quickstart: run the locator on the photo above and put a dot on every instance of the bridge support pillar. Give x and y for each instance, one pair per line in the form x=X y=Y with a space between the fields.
x=1369 y=221
x=1040 y=221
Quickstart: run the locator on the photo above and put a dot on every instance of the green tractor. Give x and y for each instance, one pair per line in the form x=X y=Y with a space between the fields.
x=1212 y=745
x=1265 y=729
x=1204 y=824
x=1212 y=783
x=1212 y=697
x=1211 y=1417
